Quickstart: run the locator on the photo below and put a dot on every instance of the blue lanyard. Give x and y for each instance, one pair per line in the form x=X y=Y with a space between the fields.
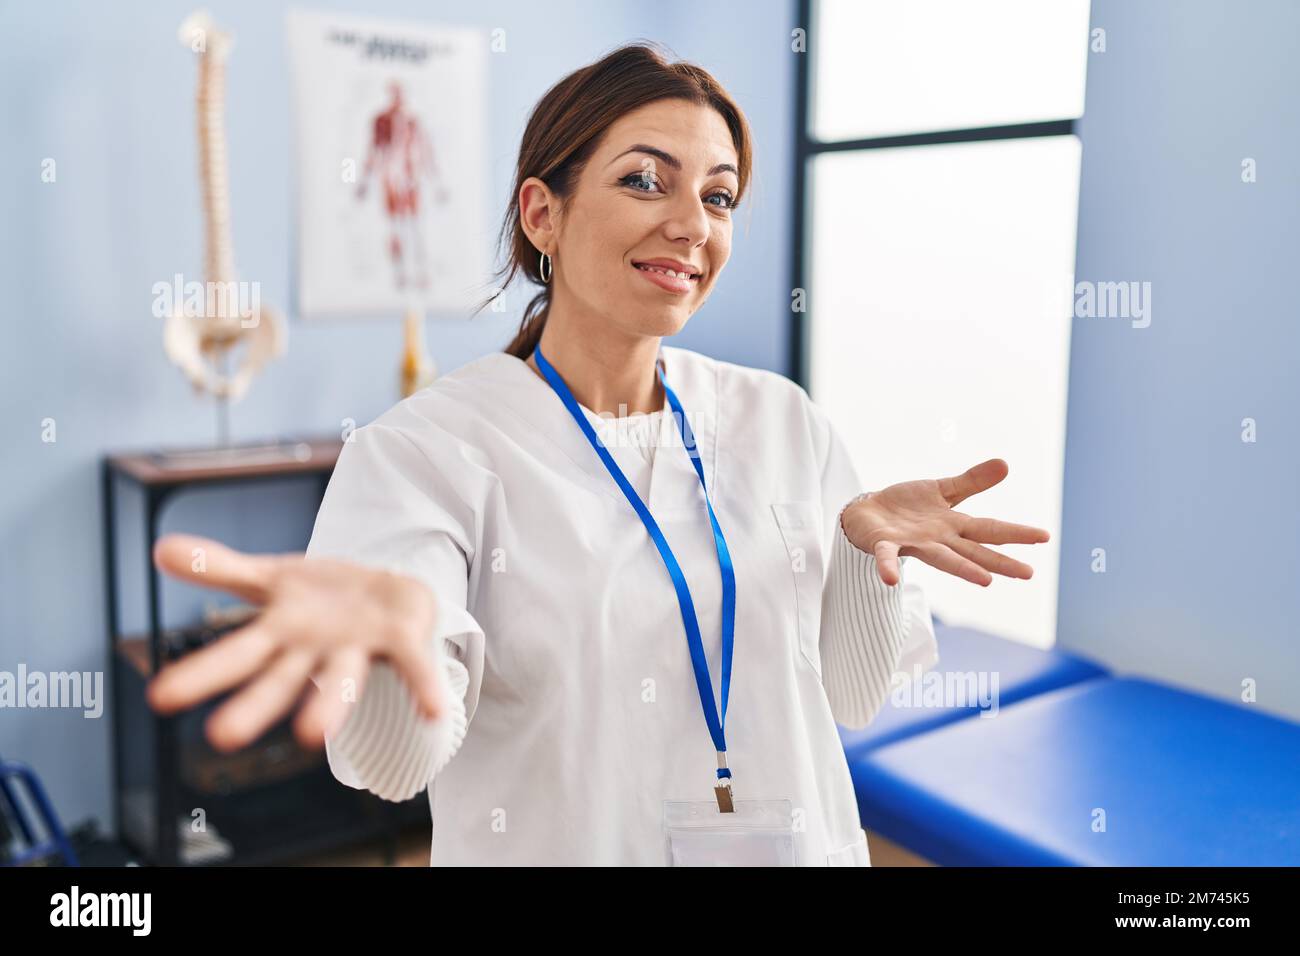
x=698 y=660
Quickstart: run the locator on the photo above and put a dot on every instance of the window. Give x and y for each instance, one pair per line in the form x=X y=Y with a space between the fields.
x=935 y=242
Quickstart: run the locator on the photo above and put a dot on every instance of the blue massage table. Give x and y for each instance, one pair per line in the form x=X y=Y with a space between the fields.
x=1101 y=772
x=1022 y=672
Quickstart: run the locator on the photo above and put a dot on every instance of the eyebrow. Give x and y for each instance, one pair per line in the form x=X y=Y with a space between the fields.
x=671 y=161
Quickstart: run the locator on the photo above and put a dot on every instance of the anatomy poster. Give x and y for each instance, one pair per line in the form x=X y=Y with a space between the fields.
x=389 y=129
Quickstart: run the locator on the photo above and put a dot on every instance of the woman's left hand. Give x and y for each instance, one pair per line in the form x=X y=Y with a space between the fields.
x=915 y=518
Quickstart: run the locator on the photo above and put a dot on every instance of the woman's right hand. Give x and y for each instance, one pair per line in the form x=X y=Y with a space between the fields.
x=319 y=618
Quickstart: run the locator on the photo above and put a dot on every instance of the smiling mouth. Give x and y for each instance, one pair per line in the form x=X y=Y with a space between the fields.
x=692 y=276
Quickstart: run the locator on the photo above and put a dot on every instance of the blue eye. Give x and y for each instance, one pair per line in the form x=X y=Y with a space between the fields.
x=642 y=178
x=646 y=179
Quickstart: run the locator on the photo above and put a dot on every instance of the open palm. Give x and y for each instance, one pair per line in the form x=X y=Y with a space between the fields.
x=915 y=518
x=320 y=620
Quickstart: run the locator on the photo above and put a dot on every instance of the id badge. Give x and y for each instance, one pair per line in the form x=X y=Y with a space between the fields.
x=758 y=833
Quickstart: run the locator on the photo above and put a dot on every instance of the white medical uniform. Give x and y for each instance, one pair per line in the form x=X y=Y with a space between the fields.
x=575 y=713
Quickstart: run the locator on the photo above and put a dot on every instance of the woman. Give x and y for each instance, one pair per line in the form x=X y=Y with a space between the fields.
x=527 y=580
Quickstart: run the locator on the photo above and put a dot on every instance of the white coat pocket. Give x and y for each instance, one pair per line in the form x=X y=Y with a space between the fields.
x=801 y=531
x=855 y=853
x=758 y=833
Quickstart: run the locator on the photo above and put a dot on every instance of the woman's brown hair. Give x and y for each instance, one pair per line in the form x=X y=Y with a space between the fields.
x=566 y=126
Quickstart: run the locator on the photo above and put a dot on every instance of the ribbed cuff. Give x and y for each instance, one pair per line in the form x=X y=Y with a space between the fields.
x=385 y=746
x=866 y=627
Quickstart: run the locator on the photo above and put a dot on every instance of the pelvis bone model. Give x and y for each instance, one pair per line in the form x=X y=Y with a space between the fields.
x=200 y=337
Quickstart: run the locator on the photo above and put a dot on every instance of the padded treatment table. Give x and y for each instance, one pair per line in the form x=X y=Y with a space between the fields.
x=1183 y=780
x=1022 y=671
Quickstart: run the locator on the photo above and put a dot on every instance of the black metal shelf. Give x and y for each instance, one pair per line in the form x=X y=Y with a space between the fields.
x=159 y=759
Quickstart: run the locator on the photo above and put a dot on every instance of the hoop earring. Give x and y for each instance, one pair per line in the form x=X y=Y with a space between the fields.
x=545 y=267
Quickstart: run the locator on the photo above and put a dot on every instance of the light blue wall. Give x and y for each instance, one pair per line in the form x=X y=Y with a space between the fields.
x=1201 y=530
x=110 y=98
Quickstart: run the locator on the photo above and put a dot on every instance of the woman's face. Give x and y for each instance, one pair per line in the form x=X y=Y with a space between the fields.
x=656 y=192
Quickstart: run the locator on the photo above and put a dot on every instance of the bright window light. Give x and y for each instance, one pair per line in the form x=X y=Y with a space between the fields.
x=940 y=290
x=892 y=67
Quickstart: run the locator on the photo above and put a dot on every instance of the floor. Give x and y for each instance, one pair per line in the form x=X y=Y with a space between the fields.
x=413 y=850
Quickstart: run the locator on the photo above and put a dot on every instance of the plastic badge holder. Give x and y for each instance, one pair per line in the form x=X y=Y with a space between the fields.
x=758 y=833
